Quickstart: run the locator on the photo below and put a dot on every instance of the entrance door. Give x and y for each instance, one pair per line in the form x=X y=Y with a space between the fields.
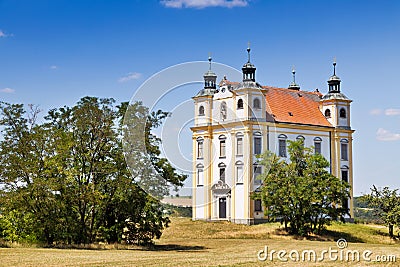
x=222 y=207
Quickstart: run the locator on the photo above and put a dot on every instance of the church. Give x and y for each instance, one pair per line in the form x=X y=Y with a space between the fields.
x=236 y=121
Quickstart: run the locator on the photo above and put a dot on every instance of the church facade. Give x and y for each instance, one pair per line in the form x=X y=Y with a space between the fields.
x=236 y=121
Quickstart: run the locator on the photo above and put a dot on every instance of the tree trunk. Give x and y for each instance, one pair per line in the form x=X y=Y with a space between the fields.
x=391 y=230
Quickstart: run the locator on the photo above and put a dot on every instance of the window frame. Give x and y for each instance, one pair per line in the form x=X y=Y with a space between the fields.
x=344 y=170
x=282 y=139
x=318 y=141
x=239 y=178
x=200 y=147
x=239 y=136
x=327 y=113
x=240 y=104
x=257 y=145
x=342 y=113
x=256 y=103
x=222 y=171
x=200 y=169
x=201 y=111
x=222 y=146
x=256 y=174
x=344 y=150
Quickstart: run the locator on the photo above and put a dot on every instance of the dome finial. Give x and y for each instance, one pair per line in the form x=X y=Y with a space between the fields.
x=294 y=74
x=334 y=81
x=334 y=66
x=294 y=85
x=209 y=59
x=248 y=51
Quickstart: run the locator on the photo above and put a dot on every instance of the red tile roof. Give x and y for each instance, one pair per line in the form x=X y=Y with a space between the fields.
x=293 y=106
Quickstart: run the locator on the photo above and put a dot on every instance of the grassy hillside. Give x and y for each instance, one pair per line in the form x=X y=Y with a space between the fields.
x=187 y=243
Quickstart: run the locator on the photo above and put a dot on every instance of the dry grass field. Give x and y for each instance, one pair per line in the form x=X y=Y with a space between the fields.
x=187 y=243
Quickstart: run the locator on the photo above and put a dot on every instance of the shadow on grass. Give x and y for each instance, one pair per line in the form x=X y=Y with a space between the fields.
x=150 y=247
x=327 y=235
x=174 y=247
x=334 y=236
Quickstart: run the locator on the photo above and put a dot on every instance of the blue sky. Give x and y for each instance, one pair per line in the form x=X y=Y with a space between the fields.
x=52 y=52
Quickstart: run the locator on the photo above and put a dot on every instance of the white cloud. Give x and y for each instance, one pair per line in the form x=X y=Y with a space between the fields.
x=204 y=3
x=130 y=76
x=375 y=111
x=54 y=67
x=392 y=112
x=7 y=90
x=385 y=135
x=4 y=35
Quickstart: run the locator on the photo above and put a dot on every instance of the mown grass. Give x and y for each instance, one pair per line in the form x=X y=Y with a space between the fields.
x=188 y=243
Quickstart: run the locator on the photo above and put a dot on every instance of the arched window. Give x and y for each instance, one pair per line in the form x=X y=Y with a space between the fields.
x=256 y=174
x=342 y=113
x=200 y=174
x=345 y=173
x=257 y=143
x=239 y=172
x=200 y=145
x=345 y=177
x=239 y=144
x=240 y=104
x=222 y=146
x=201 y=111
x=328 y=113
x=317 y=145
x=282 y=145
x=222 y=168
x=256 y=103
x=301 y=138
x=223 y=110
x=344 y=148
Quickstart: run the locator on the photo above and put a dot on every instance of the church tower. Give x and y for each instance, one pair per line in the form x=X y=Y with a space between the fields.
x=336 y=108
x=202 y=146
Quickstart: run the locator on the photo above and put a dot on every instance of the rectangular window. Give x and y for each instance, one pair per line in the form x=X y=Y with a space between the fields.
x=199 y=150
x=344 y=153
x=282 y=148
x=257 y=205
x=239 y=174
x=239 y=146
x=317 y=147
x=222 y=145
x=257 y=145
x=257 y=173
x=222 y=174
x=345 y=176
x=199 y=176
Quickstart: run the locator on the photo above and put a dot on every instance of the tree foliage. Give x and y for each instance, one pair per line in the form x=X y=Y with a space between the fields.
x=301 y=193
x=66 y=179
x=386 y=205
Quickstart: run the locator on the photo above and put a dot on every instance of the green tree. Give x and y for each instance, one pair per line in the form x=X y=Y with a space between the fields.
x=302 y=194
x=386 y=204
x=67 y=178
x=30 y=173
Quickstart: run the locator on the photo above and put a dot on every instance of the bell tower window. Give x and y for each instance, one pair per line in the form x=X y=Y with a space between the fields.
x=240 y=104
x=201 y=111
x=327 y=113
x=342 y=113
x=256 y=103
